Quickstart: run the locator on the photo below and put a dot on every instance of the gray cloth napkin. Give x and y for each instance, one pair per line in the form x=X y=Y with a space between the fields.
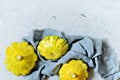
x=94 y=52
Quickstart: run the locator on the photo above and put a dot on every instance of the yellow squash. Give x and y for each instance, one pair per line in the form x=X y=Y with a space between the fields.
x=74 y=70
x=20 y=58
x=52 y=47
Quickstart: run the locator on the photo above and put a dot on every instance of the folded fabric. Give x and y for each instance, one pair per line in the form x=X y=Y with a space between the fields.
x=94 y=52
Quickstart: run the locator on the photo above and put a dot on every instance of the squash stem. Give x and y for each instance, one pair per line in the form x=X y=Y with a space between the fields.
x=73 y=75
x=19 y=57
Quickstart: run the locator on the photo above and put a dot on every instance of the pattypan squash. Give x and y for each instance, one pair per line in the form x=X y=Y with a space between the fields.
x=52 y=47
x=20 y=58
x=74 y=70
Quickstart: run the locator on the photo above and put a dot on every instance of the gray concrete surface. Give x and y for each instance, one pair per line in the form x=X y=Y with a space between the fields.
x=95 y=18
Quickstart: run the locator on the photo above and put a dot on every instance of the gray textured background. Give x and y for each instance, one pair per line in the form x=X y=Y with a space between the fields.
x=95 y=18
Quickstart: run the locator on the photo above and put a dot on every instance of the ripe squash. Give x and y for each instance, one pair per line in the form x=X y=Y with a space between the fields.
x=20 y=58
x=74 y=70
x=52 y=47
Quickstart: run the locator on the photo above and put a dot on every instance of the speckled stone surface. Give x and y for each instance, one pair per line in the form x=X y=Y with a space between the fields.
x=95 y=18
